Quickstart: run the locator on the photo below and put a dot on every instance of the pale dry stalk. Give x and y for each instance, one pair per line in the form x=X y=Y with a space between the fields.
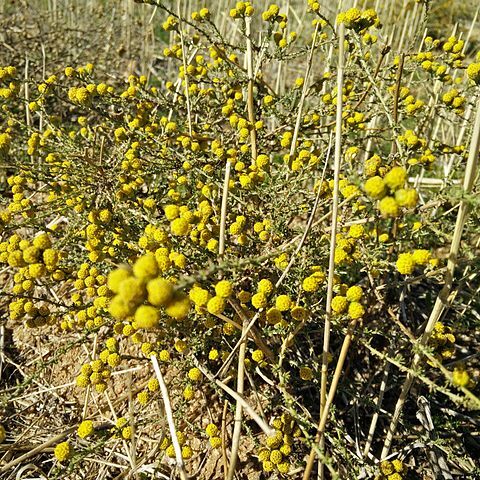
x=245 y=405
x=329 y=400
x=333 y=235
x=170 y=420
x=303 y=96
x=185 y=73
x=237 y=429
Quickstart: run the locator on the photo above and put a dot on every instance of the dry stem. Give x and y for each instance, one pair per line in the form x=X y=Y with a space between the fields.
x=171 y=423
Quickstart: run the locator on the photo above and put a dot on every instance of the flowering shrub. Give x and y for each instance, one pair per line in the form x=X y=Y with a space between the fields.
x=225 y=244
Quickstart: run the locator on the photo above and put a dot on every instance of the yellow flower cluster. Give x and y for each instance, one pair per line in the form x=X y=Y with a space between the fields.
x=359 y=20
x=278 y=447
x=390 y=192
x=442 y=341
x=140 y=292
x=350 y=303
x=392 y=470
x=407 y=262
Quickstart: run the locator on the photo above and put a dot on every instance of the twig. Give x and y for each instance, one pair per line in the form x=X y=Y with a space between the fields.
x=333 y=236
x=223 y=211
x=185 y=73
x=40 y=448
x=224 y=439
x=255 y=417
x=171 y=423
x=331 y=394
x=293 y=146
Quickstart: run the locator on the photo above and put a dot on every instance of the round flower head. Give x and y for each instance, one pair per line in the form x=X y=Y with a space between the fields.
x=406 y=197
x=132 y=290
x=147 y=317
x=421 y=256
x=388 y=207
x=178 y=307
x=311 y=284
x=211 y=430
x=283 y=303
x=215 y=442
x=265 y=286
x=160 y=291
x=354 y=294
x=257 y=356
x=63 y=451
x=299 y=313
x=224 y=288
x=339 y=304
x=216 y=305
x=199 y=296
x=473 y=72
x=375 y=187
x=259 y=300
x=306 y=373
x=85 y=429
x=355 y=310
x=405 y=263
x=395 y=178
x=146 y=267
x=460 y=377
x=195 y=374
x=179 y=227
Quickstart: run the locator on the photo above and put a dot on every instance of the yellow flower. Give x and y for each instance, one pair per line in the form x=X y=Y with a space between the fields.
x=146 y=267
x=160 y=292
x=147 y=317
x=195 y=374
x=216 y=305
x=257 y=356
x=460 y=377
x=395 y=178
x=388 y=207
x=421 y=256
x=339 y=304
x=259 y=300
x=179 y=227
x=85 y=429
x=224 y=288
x=63 y=451
x=405 y=263
x=306 y=373
x=354 y=294
x=211 y=430
x=311 y=284
x=375 y=187
x=473 y=72
x=178 y=307
x=355 y=310
x=283 y=303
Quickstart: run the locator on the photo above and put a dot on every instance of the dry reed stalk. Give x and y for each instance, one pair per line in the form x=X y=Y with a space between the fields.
x=170 y=420
x=245 y=405
x=303 y=96
x=333 y=236
x=328 y=402
x=40 y=448
x=237 y=429
x=185 y=73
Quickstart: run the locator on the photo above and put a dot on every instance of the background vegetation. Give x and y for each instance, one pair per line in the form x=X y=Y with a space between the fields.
x=197 y=247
